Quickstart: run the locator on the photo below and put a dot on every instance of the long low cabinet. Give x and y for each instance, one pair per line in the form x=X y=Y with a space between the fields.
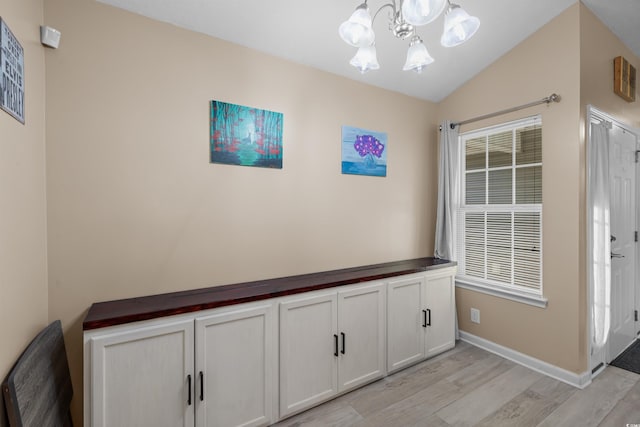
x=255 y=363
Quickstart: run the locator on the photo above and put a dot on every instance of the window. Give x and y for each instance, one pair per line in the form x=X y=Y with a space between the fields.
x=499 y=230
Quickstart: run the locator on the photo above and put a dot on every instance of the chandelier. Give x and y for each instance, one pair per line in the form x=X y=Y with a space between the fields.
x=404 y=16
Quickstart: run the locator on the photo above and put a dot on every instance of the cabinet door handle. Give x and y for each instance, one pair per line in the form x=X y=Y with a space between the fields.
x=335 y=339
x=201 y=386
x=424 y=318
x=344 y=339
x=189 y=390
x=429 y=322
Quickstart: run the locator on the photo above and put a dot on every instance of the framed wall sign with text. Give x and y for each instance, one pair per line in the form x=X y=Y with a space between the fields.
x=11 y=73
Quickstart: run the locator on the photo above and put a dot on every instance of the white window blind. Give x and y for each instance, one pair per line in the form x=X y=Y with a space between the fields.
x=499 y=230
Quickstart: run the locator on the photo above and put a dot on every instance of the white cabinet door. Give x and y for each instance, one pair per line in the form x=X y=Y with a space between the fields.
x=140 y=376
x=308 y=351
x=440 y=307
x=405 y=333
x=235 y=357
x=361 y=326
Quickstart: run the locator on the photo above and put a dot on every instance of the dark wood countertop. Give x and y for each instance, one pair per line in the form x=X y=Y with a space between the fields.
x=110 y=313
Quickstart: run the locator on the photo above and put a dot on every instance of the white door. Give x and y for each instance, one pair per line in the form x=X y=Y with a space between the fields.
x=405 y=317
x=622 y=169
x=235 y=357
x=441 y=320
x=308 y=351
x=361 y=325
x=143 y=377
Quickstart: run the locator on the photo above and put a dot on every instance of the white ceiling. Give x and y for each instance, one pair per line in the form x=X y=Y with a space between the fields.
x=306 y=32
x=622 y=17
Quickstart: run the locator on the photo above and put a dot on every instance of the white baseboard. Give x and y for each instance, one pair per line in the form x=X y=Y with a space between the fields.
x=577 y=380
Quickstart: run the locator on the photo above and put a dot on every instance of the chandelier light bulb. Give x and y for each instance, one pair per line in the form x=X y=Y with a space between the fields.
x=357 y=31
x=459 y=26
x=417 y=56
x=421 y=12
x=365 y=59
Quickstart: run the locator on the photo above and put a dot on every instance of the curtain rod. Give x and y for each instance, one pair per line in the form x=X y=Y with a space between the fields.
x=554 y=97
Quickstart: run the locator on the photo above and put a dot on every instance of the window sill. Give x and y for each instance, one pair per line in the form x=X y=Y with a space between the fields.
x=522 y=297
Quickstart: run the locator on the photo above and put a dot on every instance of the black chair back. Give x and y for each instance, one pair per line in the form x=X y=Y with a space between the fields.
x=38 y=391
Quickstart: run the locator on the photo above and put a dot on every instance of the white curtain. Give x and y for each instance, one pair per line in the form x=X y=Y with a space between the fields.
x=600 y=257
x=448 y=191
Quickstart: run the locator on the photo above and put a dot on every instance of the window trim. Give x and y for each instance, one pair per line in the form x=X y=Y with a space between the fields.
x=503 y=290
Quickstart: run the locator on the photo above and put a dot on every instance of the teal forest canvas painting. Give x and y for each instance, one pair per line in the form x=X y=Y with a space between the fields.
x=364 y=152
x=245 y=136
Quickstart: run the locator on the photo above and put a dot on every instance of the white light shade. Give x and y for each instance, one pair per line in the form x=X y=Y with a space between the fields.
x=365 y=59
x=421 y=12
x=357 y=31
x=417 y=56
x=458 y=26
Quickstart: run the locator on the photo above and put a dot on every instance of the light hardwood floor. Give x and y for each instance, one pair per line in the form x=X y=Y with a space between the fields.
x=468 y=386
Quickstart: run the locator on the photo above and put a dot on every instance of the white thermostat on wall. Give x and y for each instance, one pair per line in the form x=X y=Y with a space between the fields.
x=49 y=36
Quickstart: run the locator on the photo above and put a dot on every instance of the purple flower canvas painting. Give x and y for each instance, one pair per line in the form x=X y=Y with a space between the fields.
x=364 y=152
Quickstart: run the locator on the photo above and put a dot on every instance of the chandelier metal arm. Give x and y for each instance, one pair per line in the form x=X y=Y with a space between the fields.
x=391 y=5
x=397 y=24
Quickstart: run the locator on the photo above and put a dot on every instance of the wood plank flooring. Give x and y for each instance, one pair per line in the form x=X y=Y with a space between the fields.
x=468 y=386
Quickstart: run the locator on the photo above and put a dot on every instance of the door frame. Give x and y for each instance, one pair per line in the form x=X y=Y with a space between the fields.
x=597 y=362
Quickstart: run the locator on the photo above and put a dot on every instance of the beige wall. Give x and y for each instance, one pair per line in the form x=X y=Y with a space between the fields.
x=572 y=56
x=598 y=47
x=23 y=257
x=134 y=207
x=545 y=63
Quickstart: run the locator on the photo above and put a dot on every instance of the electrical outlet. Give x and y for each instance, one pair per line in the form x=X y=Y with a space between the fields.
x=475 y=315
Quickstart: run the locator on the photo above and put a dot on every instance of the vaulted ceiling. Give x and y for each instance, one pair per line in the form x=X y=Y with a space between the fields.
x=306 y=32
